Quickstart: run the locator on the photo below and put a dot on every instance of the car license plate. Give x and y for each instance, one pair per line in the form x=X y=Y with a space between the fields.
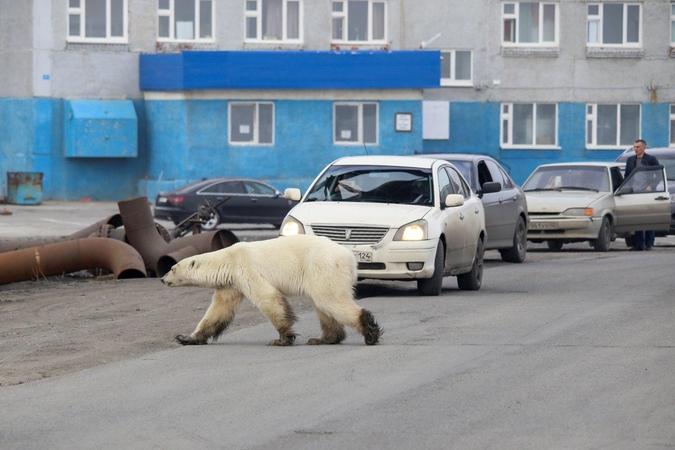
x=364 y=256
x=543 y=225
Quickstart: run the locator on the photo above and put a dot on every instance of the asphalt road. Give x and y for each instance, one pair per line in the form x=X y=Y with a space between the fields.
x=569 y=350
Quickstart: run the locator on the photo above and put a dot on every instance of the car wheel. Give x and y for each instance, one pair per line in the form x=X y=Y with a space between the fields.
x=432 y=286
x=554 y=245
x=212 y=223
x=630 y=242
x=516 y=254
x=472 y=280
x=604 y=239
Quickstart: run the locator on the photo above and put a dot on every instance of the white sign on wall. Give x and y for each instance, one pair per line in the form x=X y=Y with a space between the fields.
x=435 y=120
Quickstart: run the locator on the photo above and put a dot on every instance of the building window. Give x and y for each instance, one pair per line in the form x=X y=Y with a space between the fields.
x=672 y=124
x=252 y=123
x=672 y=25
x=613 y=125
x=185 y=20
x=273 y=20
x=614 y=24
x=456 y=68
x=359 y=21
x=97 y=21
x=529 y=125
x=530 y=23
x=355 y=123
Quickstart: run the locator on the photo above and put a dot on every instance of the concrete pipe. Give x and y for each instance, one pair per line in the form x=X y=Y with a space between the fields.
x=71 y=256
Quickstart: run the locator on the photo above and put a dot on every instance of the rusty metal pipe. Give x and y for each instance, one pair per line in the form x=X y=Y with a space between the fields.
x=143 y=235
x=70 y=256
x=99 y=229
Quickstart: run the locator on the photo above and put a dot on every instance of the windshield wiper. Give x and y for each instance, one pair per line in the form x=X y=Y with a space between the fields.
x=541 y=189
x=578 y=188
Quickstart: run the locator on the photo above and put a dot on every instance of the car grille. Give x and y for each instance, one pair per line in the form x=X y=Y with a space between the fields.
x=351 y=235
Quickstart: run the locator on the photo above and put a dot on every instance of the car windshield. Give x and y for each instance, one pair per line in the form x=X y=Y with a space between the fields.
x=374 y=184
x=559 y=178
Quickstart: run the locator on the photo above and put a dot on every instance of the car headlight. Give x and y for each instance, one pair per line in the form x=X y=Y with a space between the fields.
x=579 y=212
x=414 y=231
x=291 y=227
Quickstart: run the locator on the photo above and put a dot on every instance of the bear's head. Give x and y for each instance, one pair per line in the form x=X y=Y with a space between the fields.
x=201 y=270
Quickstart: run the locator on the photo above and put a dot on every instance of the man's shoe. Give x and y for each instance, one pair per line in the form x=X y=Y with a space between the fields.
x=637 y=249
x=649 y=247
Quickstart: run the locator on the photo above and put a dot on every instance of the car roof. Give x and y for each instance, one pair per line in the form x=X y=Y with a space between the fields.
x=386 y=160
x=655 y=151
x=456 y=156
x=584 y=164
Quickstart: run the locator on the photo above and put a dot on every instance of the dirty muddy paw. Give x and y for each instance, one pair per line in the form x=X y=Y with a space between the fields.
x=188 y=340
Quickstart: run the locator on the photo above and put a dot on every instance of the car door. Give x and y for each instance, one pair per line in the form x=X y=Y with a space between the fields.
x=642 y=201
x=452 y=223
x=500 y=207
x=265 y=203
x=469 y=215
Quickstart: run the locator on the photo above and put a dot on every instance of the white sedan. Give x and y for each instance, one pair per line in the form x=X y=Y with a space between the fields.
x=576 y=202
x=405 y=218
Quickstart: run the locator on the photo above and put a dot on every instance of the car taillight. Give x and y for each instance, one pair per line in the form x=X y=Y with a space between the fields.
x=175 y=200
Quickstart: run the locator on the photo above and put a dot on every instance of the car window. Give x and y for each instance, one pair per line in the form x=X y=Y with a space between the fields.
x=258 y=188
x=497 y=174
x=617 y=178
x=445 y=187
x=484 y=175
x=226 y=187
x=465 y=168
x=668 y=161
x=645 y=179
x=459 y=186
x=374 y=184
x=508 y=182
x=569 y=178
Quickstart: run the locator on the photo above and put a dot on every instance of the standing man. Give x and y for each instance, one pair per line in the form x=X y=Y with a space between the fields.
x=643 y=240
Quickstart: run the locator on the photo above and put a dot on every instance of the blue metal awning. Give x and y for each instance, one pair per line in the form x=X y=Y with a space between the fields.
x=407 y=69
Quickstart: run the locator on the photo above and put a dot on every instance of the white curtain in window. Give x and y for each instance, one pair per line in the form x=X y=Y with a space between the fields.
x=293 y=20
x=528 y=18
x=272 y=20
x=549 y=23
x=523 y=124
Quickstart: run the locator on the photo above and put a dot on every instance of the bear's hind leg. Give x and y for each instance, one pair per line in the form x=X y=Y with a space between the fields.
x=333 y=331
x=219 y=315
x=345 y=311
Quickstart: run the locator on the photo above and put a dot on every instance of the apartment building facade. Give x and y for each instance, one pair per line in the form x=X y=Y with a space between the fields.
x=116 y=98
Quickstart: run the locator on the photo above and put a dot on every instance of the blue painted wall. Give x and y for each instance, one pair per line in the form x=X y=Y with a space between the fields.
x=474 y=128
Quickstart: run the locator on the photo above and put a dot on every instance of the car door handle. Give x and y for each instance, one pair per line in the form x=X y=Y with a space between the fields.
x=661 y=197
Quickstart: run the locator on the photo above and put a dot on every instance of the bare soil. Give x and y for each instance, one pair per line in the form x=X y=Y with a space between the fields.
x=66 y=324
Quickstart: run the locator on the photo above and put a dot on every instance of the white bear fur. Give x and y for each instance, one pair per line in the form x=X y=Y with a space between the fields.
x=266 y=272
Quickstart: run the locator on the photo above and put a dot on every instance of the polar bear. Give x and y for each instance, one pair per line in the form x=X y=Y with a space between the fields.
x=266 y=272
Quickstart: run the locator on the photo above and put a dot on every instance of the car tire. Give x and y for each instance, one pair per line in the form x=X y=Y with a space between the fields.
x=554 y=245
x=516 y=254
x=431 y=287
x=472 y=280
x=604 y=240
x=212 y=223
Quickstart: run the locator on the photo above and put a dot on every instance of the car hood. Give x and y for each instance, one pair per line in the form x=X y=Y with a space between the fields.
x=546 y=202
x=377 y=214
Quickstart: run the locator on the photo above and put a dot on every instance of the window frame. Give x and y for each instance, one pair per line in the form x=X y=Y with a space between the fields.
x=452 y=80
x=672 y=24
x=360 y=124
x=256 y=123
x=592 y=119
x=344 y=15
x=171 y=13
x=507 y=121
x=514 y=16
x=259 y=39
x=80 y=11
x=599 y=19
x=671 y=123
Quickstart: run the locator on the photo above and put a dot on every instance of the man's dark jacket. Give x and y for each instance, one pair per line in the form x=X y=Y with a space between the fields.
x=647 y=160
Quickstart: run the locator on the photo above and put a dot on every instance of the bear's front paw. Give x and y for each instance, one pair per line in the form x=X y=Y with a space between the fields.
x=188 y=340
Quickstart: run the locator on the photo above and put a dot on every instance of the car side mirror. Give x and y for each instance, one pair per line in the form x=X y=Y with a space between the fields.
x=624 y=190
x=293 y=194
x=489 y=187
x=454 y=200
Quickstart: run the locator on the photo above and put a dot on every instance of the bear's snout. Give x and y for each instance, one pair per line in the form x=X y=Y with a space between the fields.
x=165 y=281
